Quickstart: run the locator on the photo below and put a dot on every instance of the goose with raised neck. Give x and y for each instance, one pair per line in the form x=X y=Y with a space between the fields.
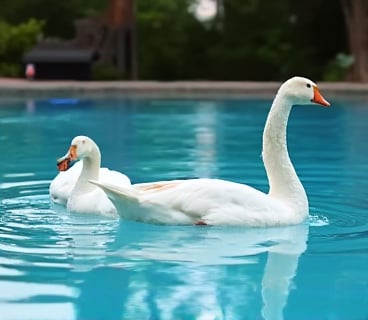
x=221 y=202
x=284 y=183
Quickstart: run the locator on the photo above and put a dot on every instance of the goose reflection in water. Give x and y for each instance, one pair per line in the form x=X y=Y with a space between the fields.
x=157 y=272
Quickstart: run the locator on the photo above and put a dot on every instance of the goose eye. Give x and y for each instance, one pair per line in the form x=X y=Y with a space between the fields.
x=308 y=85
x=83 y=141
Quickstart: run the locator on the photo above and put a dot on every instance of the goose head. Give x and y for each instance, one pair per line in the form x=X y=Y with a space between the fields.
x=80 y=148
x=300 y=91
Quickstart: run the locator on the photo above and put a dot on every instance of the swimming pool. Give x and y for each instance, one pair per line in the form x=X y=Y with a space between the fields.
x=56 y=265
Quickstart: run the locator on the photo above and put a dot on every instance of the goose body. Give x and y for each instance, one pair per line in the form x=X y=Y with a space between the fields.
x=71 y=186
x=220 y=202
x=200 y=201
x=62 y=185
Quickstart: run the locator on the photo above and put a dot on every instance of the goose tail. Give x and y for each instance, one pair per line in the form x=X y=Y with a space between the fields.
x=118 y=193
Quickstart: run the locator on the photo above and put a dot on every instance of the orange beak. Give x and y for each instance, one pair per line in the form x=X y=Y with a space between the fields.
x=73 y=152
x=66 y=162
x=317 y=98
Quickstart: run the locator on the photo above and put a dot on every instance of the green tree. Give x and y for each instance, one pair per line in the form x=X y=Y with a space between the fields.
x=59 y=16
x=252 y=40
x=14 y=41
x=168 y=40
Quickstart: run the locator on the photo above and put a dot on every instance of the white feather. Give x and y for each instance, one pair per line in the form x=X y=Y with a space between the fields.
x=219 y=202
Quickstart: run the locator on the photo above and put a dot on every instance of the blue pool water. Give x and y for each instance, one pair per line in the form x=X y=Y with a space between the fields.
x=56 y=265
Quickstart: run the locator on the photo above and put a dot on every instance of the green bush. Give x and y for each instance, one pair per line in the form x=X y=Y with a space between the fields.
x=10 y=70
x=15 y=40
x=337 y=69
x=103 y=72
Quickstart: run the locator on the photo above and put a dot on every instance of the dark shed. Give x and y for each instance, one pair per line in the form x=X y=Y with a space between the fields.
x=63 y=63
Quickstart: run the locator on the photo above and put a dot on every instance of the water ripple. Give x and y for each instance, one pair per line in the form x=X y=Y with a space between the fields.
x=80 y=266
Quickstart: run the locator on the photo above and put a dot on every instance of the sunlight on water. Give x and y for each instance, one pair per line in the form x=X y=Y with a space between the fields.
x=58 y=265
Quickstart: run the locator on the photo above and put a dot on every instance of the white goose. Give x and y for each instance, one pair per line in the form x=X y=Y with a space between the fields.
x=80 y=196
x=219 y=202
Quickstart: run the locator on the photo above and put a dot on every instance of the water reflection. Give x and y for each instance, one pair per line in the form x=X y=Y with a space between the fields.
x=205 y=146
x=155 y=272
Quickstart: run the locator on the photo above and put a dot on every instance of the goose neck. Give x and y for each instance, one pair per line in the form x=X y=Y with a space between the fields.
x=90 y=170
x=283 y=180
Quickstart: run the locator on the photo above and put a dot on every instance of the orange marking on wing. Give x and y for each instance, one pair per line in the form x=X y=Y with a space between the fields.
x=160 y=186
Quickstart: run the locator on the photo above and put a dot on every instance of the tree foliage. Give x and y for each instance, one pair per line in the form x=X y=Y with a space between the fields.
x=59 y=16
x=14 y=41
x=253 y=40
x=171 y=41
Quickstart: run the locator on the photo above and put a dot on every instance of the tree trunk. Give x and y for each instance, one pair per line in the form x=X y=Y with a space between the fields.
x=119 y=48
x=356 y=18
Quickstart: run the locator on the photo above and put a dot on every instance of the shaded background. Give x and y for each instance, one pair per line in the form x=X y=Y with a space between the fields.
x=198 y=39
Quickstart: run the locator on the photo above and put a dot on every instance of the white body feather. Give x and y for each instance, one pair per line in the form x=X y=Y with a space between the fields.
x=219 y=202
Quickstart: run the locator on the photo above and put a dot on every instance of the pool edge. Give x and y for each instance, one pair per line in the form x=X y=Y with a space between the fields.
x=175 y=89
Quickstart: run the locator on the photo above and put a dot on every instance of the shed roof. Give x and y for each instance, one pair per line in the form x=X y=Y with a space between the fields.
x=59 y=55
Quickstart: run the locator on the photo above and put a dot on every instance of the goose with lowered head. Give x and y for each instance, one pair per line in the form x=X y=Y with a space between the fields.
x=84 y=197
x=220 y=202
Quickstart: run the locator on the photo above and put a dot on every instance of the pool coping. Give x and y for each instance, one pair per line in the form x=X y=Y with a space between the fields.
x=22 y=88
